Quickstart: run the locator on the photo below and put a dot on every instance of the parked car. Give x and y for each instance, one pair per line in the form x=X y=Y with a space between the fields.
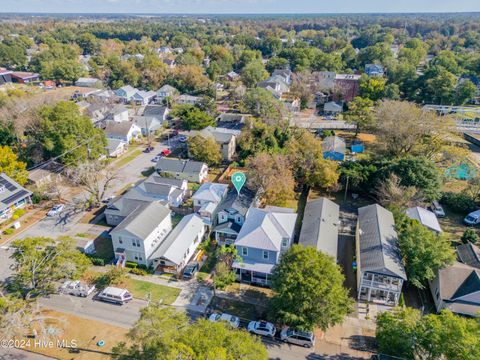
x=437 y=209
x=56 y=209
x=302 y=338
x=165 y=152
x=182 y=138
x=230 y=319
x=156 y=158
x=115 y=295
x=107 y=199
x=148 y=149
x=190 y=270
x=473 y=218
x=76 y=288
x=262 y=328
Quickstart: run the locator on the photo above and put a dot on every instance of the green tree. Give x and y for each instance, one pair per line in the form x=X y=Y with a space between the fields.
x=10 y=165
x=192 y=117
x=276 y=63
x=165 y=333
x=39 y=263
x=372 y=87
x=261 y=103
x=423 y=251
x=465 y=92
x=437 y=86
x=64 y=131
x=360 y=112
x=309 y=290
x=204 y=149
x=253 y=73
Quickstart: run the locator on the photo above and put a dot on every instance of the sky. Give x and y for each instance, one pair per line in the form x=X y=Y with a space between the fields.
x=238 y=6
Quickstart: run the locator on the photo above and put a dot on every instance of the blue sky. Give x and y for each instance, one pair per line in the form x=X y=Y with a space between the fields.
x=239 y=6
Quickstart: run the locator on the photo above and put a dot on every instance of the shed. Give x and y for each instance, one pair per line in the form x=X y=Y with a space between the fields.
x=334 y=148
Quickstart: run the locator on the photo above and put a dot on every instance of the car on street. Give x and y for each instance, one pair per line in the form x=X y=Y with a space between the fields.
x=76 y=288
x=190 y=271
x=56 y=209
x=107 y=199
x=115 y=295
x=473 y=218
x=437 y=209
x=156 y=158
x=262 y=328
x=182 y=138
x=230 y=319
x=301 y=338
x=165 y=152
x=148 y=149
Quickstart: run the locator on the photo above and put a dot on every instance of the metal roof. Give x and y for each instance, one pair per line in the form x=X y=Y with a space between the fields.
x=333 y=143
x=379 y=252
x=320 y=226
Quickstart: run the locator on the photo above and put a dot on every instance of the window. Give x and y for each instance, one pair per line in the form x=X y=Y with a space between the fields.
x=134 y=243
x=265 y=254
x=120 y=240
x=284 y=242
x=244 y=251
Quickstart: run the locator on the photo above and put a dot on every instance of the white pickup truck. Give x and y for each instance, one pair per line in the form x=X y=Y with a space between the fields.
x=76 y=288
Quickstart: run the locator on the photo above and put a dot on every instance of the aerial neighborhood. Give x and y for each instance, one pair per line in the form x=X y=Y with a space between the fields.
x=239 y=186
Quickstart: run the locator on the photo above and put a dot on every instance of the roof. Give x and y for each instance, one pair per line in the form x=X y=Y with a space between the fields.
x=347 y=77
x=180 y=239
x=425 y=217
x=151 y=123
x=113 y=144
x=118 y=128
x=211 y=192
x=25 y=74
x=469 y=254
x=144 y=94
x=129 y=90
x=10 y=191
x=458 y=280
x=166 y=89
x=239 y=202
x=179 y=166
x=332 y=106
x=229 y=226
x=186 y=97
x=320 y=226
x=87 y=80
x=254 y=266
x=157 y=111
x=142 y=221
x=231 y=117
x=333 y=144
x=379 y=251
x=265 y=229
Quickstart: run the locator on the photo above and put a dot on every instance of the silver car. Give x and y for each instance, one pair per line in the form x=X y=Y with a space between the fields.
x=301 y=338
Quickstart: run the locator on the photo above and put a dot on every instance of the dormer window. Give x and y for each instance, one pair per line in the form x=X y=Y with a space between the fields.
x=284 y=242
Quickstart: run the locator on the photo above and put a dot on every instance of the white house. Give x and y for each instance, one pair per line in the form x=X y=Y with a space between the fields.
x=207 y=198
x=194 y=171
x=188 y=100
x=125 y=131
x=141 y=232
x=144 y=97
x=126 y=93
x=115 y=147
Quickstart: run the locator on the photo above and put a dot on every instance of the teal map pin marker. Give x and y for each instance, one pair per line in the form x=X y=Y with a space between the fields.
x=238 y=180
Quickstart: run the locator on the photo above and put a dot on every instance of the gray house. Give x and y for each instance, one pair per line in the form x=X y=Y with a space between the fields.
x=320 y=226
x=264 y=236
x=380 y=270
x=207 y=198
x=12 y=196
x=189 y=170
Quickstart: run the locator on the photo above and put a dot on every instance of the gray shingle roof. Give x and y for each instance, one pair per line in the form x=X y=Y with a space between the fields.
x=379 y=251
x=118 y=128
x=238 y=202
x=320 y=226
x=211 y=192
x=155 y=111
x=458 y=280
x=469 y=254
x=179 y=166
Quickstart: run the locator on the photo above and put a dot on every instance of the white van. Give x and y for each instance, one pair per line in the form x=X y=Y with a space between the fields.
x=115 y=295
x=473 y=218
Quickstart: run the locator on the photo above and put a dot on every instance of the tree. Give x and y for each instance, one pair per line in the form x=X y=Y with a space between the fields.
x=309 y=290
x=470 y=236
x=189 y=78
x=39 y=263
x=10 y=165
x=392 y=193
x=253 y=73
x=372 y=87
x=437 y=86
x=360 y=112
x=94 y=177
x=465 y=92
x=165 y=333
x=63 y=131
x=261 y=103
x=423 y=251
x=192 y=117
x=204 y=149
x=264 y=170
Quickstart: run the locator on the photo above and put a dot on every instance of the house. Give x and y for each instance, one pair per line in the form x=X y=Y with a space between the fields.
x=225 y=138
x=103 y=95
x=157 y=111
x=164 y=50
x=264 y=236
x=332 y=108
x=86 y=246
x=333 y=148
x=284 y=74
x=117 y=113
x=424 y=217
x=166 y=91
x=141 y=232
x=5 y=76
x=457 y=288
x=231 y=214
x=46 y=173
x=126 y=93
x=180 y=245
x=12 y=196
x=147 y=124
x=143 y=97
x=320 y=226
x=88 y=82
x=24 y=77
x=231 y=121
x=125 y=131
x=189 y=170
x=207 y=198
x=276 y=84
x=346 y=87
x=115 y=147
x=233 y=76
x=469 y=254
x=374 y=70
x=188 y=100
x=380 y=270
x=170 y=63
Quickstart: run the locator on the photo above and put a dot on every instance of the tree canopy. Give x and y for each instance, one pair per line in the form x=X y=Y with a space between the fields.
x=204 y=149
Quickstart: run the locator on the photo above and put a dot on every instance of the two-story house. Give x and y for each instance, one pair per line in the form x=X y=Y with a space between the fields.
x=264 y=236
x=141 y=232
x=380 y=270
x=126 y=93
x=125 y=131
x=231 y=215
x=144 y=97
x=207 y=198
x=225 y=138
x=166 y=91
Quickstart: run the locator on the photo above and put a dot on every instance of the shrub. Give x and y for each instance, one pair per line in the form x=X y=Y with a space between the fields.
x=138 y=271
x=18 y=213
x=97 y=261
x=469 y=236
x=458 y=202
x=8 y=231
x=131 y=264
x=142 y=266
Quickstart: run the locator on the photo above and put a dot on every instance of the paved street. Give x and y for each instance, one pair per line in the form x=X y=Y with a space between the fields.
x=17 y=354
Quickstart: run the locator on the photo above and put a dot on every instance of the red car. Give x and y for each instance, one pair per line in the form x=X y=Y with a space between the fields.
x=165 y=152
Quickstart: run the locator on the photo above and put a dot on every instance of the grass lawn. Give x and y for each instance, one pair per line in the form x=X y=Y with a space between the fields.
x=176 y=219
x=140 y=289
x=125 y=159
x=251 y=292
x=243 y=310
x=85 y=332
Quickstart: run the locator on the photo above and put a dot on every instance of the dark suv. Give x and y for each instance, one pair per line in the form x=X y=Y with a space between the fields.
x=189 y=271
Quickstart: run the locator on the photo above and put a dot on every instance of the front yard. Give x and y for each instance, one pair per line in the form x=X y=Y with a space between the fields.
x=143 y=289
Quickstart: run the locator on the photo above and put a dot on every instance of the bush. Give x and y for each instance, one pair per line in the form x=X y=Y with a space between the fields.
x=97 y=261
x=142 y=266
x=138 y=271
x=131 y=264
x=18 y=213
x=458 y=202
x=8 y=231
x=469 y=236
